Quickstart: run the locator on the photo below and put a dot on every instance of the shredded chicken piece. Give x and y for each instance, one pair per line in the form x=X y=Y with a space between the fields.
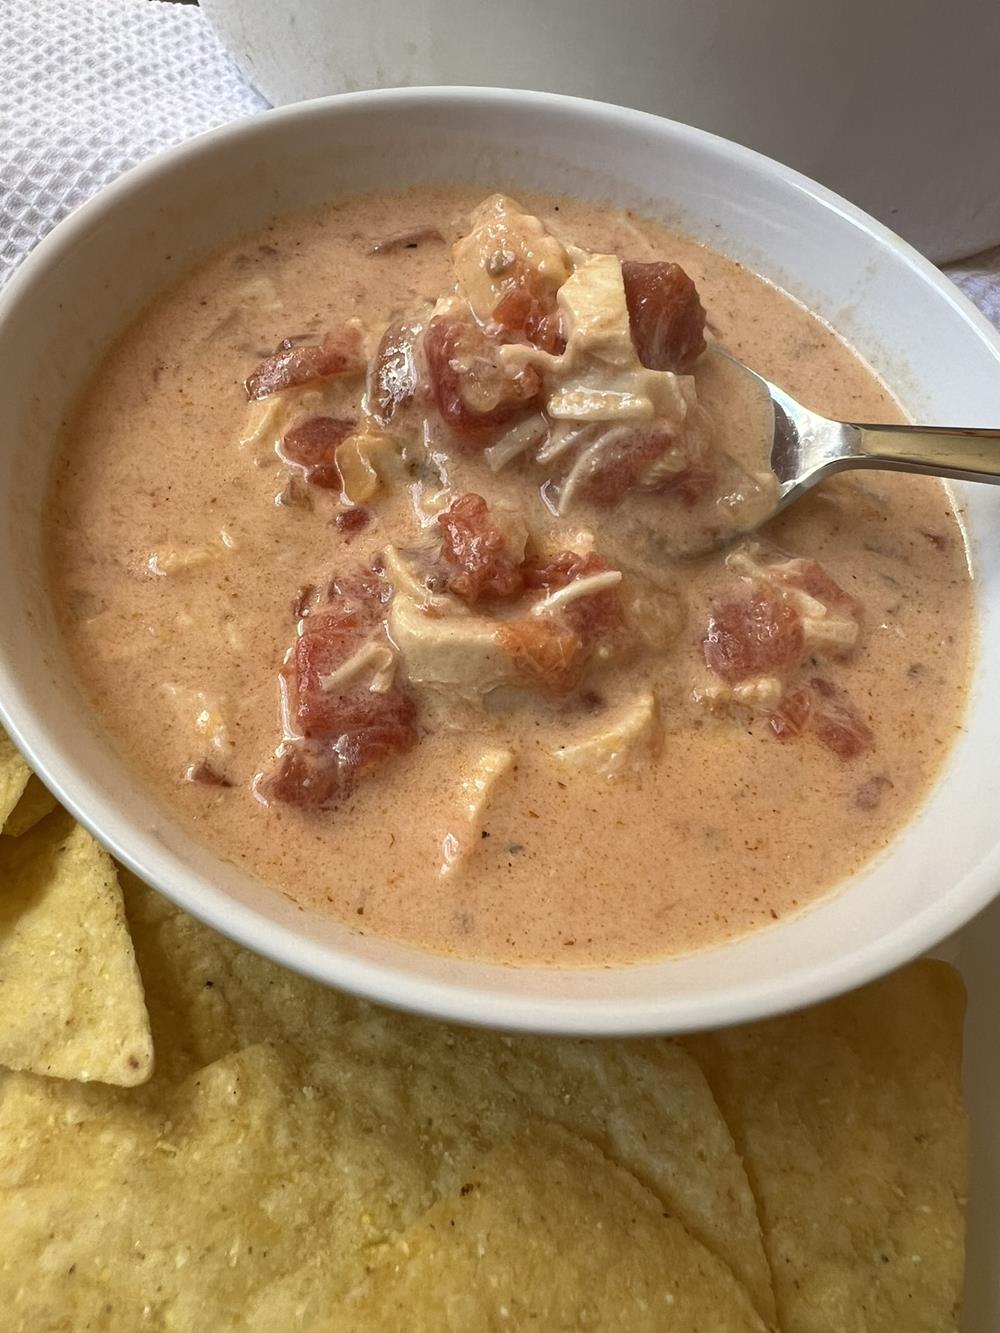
x=173 y=561
x=265 y=421
x=367 y=461
x=204 y=715
x=583 y=587
x=829 y=615
x=655 y=613
x=563 y=436
x=372 y=656
x=599 y=376
x=269 y=418
x=402 y=573
x=459 y=655
x=262 y=293
x=203 y=774
x=507 y=252
x=630 y=734
x=763 y=692
x=515 y=442
x=476 y=792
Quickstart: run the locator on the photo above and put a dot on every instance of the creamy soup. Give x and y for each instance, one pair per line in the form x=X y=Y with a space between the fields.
x=380 y=543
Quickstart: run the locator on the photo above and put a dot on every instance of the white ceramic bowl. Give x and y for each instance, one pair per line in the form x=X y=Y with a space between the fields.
x=104 y=263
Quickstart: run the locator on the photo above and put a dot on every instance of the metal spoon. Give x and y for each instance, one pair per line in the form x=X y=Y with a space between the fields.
x=808 y=447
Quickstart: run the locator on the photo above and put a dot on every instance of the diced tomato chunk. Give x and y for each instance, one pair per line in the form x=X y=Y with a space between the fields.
x=791 y=718
x=514 y=309
x=754 y=634
x=481 y=566
x=392 y=376
x=352 y=520
x=530 y=318
x=474 y=392
x=313 y=443
x=627 y=462
x=347 y=728
x=307 y=775
x=339 y=353
x=332 y=632
x=621 y=462
x=691 y=485
x=556 y=571
x=836 y=721
x=868 y=796
x=548 y=652
x=829 y=713
x=666 y=315
x=386 y=731
x=597 y=618
x=327 y=477
x=326 y=642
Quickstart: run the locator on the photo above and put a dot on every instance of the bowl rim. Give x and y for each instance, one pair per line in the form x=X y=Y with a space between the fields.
x=385 y=983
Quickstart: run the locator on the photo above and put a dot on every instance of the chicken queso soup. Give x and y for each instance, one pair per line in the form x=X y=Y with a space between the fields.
x=387 y=545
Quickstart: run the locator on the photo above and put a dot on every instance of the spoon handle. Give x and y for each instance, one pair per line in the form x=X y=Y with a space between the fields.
x=941 y=451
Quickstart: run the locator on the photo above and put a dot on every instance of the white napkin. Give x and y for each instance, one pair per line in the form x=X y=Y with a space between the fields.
x=979 y=278
x=89 y=88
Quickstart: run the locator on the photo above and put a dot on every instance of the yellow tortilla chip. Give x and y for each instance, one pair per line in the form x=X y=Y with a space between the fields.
x=36 y=802
x=208 y=997
x=850 y=1120
x=14 y=775
x=645 y=1104
x=175 y=1215
x=254 y=1199
x=310 y=1174
x=71 y=1001
x=546 y=1234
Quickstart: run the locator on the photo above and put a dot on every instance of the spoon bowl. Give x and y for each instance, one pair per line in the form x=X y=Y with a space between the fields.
x=807 y=447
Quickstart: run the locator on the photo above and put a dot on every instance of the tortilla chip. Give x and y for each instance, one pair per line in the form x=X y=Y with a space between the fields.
x=14 y=775
x=546 y=1234
x=252 y=1199
x=175 y=1215
x=71 y=1001
x=36 y=802
x=75 y=1137
x=850 y=1120
x=209 y=998
x=645 y=1104
x=312 y=1182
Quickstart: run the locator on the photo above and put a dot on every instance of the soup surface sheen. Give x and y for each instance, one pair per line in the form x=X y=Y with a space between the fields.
x=664 y=797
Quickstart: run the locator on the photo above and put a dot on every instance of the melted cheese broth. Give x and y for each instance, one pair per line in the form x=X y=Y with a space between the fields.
x=724 y=831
